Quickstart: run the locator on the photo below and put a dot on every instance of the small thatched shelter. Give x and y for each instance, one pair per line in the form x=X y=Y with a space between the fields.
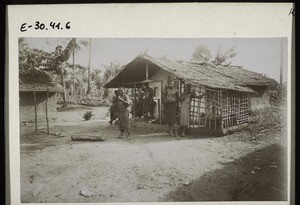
x=231 y=91
x=37 y=95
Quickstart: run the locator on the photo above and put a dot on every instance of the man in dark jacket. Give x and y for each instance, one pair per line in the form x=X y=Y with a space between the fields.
x=148 y=101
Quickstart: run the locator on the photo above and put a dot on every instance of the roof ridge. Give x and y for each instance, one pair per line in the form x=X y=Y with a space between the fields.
x=201 y=72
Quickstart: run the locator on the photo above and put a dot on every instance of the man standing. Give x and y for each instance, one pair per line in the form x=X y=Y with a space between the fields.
x=114 y=108
x=137 y=108
x=148 y=101
x=123 y=113
x=170 y=105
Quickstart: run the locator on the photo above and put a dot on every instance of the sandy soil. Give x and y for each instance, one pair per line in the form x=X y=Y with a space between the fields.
x=153 y=167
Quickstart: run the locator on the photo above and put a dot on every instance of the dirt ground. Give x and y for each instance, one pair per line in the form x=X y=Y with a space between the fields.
x=154 y=167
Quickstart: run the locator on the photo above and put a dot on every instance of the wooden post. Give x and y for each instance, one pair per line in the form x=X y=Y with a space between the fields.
x=135 y=106
x=281 y=67
x=147 y=71
x=159 y=111
x=162 y=102
x=205 y=108
x=35 y=112
x=193 y=108
x=281 y=60
x=47 y=120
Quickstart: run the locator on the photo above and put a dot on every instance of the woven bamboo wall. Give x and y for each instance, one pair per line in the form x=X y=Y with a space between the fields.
x=235 y=108
x=218 y=109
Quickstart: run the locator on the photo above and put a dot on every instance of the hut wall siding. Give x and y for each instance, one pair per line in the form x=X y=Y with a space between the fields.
x=27 y=107
x=160 y=76
x=261 y=99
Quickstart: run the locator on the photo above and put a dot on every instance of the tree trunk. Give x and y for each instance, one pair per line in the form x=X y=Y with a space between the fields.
x=88 y=137
x=63 y=85
x=89 y=69
x=73 y=93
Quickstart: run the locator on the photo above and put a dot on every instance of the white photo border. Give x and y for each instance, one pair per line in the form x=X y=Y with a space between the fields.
x=163 y=20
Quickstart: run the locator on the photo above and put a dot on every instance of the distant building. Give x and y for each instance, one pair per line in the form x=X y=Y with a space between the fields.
x=33 y=88
x=231 y=92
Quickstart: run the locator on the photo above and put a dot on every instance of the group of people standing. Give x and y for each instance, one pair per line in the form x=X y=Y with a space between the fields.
x=122 y=104
x=171 y=100
x=144 y=106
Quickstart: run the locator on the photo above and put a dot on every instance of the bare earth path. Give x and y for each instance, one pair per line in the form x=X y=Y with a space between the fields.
x=151 y=168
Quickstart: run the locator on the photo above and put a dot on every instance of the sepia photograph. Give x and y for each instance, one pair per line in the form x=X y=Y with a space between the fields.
x=152 y=120
x=171 y=103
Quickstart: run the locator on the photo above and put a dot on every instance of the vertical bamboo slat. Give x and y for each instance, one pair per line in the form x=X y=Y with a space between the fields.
x=194 y=104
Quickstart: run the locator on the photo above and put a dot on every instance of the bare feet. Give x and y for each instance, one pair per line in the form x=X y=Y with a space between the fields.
x=129 y=138
x=120 y=135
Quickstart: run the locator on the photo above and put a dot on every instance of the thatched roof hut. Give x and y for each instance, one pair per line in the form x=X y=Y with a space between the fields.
x=37 y=94
x=37 y=81
x=231 y=91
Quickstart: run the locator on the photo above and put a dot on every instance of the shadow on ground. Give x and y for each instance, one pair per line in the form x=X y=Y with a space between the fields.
x=259 y=176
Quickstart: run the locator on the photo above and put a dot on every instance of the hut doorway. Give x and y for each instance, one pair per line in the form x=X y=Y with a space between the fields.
x=157 y=87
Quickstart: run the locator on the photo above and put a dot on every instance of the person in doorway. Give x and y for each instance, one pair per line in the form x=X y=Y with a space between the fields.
x=139 y=104
x=170 y=104
x=124 y=104
x=114 y=108
x=185 y=100
x=148 y=101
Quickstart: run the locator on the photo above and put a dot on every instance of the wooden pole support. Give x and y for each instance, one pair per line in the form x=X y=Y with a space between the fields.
x=135 y=101
x=35 y=111
x=147 y=75
x=47 y=120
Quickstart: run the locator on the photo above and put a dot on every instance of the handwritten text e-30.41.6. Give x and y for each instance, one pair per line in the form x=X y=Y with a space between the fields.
x=45 y=26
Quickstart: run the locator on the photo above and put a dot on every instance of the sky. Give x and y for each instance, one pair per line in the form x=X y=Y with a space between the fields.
x=260 y=55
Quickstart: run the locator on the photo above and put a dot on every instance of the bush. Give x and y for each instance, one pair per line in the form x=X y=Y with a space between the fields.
x=269 y=120
x=88 y=115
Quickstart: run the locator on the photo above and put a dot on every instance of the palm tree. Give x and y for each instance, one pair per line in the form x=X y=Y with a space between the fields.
x=60 y=58
x=63 y=56
x=73 y=66
x=89 y=68
x=221 y=57
x=77 y=48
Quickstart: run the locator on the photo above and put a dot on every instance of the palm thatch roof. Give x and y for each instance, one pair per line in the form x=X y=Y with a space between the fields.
x=37 y=80
x=196 y=73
